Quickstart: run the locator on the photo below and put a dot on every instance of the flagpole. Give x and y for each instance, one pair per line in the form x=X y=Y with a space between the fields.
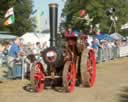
x=38 y=20
x=39 y=14
x=38 y=25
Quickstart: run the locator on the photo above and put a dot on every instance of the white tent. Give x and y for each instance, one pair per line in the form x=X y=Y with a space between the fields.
x=29 y=38
x=32 y=38
x=125 y=26
x=116 y=36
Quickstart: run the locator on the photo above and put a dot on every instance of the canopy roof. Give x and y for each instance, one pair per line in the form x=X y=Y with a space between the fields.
x=32 y=38
x=116 y=36
x=5 y=35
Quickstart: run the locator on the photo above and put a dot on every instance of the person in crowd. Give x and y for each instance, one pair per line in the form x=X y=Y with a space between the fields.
x=4 y=46
x=37 y=48
x=13 y=54
x=14 y=48
x=3 y=50
x=45 y=45
x=29 y=48
x=95 y=46
x=98 y=49
x=89 y=41
x=99 y=36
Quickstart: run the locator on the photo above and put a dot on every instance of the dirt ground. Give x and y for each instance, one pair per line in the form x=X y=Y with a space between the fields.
x=111 y=86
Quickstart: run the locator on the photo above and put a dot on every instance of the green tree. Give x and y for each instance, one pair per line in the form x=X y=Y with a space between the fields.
x=96 y=9
x=22 y=11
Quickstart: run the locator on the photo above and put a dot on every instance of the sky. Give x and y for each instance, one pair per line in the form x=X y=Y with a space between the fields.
x=42 y=5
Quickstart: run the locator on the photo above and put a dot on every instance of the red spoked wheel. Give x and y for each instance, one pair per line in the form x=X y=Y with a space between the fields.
x=88 y=68
x=37 y=77
x=69 y=76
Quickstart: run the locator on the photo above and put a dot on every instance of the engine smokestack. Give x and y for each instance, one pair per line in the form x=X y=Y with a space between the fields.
x=53 y=16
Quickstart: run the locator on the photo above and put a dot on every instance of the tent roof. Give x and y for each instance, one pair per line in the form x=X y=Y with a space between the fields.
x=7 y=37
x=125 y=26
x=116 y=36
x=46 y=31
x=32 y=37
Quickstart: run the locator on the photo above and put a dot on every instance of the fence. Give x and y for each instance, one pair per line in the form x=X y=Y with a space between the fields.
x=109 y=53
x=106 y=53
x=123 y=51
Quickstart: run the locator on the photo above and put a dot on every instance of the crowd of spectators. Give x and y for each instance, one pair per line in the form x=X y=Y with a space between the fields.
x=14 y=51
x=108 y=45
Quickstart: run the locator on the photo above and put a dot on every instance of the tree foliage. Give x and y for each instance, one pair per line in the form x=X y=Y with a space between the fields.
x=22 y=11
x=97 y=10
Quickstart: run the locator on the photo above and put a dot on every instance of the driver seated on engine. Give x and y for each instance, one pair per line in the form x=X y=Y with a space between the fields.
x=71 y=36
x=70 y=33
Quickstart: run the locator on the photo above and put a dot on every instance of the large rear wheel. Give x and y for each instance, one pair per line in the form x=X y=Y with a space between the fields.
x=69 y=76
x=88 y=68
x=37 y=77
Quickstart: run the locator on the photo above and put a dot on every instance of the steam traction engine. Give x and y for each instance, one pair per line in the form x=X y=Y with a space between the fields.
x=71 y=63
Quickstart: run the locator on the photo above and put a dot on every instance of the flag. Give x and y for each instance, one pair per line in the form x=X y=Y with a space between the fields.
x=33 y=12
x=10 y=20
x=9 y=12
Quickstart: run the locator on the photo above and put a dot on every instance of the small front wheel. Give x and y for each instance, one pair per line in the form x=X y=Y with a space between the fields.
x=37 y=77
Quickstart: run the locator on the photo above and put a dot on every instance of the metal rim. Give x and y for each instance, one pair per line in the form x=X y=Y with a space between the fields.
x=38 y=77
x=88 y=68
x=69 y=76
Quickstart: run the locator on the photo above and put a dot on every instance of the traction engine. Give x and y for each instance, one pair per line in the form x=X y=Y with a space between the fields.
x=71 y=65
